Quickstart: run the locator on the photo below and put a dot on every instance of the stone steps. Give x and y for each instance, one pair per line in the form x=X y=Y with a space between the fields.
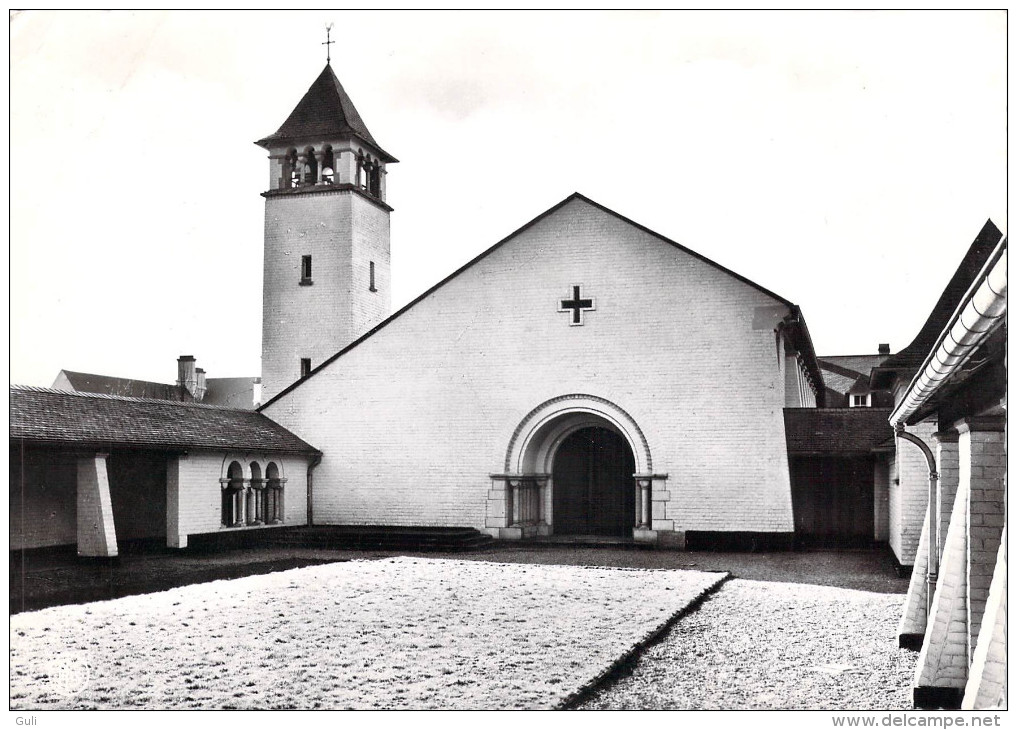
x=368 y=537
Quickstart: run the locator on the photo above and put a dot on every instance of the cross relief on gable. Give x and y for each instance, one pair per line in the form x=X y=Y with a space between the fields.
x=577 y=305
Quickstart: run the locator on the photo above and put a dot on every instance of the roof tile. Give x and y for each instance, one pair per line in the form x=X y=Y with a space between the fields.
x=835 y=430
x=326 y=110
x=54 y=416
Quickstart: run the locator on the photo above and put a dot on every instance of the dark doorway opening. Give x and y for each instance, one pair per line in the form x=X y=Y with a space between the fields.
x=833 y=500
x=594 y=493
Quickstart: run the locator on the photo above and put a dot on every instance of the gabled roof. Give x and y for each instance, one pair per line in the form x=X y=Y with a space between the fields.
x=326 y=110
x=43 y=415
x=914 y=354
x=798 y=330
x=127 y=387
x=835 y=431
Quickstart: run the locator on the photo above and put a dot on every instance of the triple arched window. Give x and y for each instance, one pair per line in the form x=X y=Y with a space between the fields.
x=253 y=496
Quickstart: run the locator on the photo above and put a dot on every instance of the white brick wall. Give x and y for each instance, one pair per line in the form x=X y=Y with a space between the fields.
x=414 y=420
x=342 y=232
x=193 y=492
x=969 y=559
x=909 y=499
x=943 y=660
x=913 y=617
x=983 y=464
x=987 y=680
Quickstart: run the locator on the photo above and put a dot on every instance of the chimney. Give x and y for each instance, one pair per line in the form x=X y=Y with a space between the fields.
x=187 y=378
x=200 y=388
x=884 y=348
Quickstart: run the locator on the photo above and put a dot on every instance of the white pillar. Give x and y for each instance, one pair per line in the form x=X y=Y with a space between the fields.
x=96 y=533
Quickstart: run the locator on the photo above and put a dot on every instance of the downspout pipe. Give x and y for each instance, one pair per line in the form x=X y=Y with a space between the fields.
x=310 y=487
x=932 y=573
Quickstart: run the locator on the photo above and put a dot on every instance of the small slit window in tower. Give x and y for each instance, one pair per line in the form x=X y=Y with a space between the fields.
x=305 y=270
x=305 y=367
x=371 y=287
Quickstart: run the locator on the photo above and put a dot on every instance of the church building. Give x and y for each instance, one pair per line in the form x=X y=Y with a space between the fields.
x=585 y=375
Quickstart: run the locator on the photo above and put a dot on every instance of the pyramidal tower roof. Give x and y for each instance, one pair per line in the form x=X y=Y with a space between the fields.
x=326 y=110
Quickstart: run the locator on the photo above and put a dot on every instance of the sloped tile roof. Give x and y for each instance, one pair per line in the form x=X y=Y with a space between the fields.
x=53 y=416
x=326 y=110
x=841 y=372
x=127 y=387
x=836 y=430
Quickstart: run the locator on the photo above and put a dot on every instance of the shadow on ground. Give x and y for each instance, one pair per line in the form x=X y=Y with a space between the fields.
x=39 y=579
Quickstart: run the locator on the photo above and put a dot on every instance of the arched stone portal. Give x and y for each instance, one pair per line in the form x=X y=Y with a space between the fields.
x=523 y=502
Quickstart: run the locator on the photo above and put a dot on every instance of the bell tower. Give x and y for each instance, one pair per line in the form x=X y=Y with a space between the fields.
x=327 y=259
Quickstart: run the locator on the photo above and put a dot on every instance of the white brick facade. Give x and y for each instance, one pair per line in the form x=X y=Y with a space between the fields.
x=909 y=494
x=344 y=233
x=970 y=555
x=986 y=685
x=415 y=419
x=193 y=491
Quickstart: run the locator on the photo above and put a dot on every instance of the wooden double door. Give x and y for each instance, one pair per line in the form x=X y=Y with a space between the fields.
x=594 y=492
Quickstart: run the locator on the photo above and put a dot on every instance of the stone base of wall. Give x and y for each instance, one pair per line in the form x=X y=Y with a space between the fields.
x=648 y=536
x=741 y=542
x=938 y=698
x=673 y=540
x=521 y=532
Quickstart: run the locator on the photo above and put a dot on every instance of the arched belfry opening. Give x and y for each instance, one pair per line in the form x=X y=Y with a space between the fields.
x=575 y=465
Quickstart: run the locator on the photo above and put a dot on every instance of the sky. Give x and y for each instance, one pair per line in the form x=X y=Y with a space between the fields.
x=842 y=160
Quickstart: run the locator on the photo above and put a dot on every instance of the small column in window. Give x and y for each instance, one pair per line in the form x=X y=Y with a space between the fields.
x=305 y=271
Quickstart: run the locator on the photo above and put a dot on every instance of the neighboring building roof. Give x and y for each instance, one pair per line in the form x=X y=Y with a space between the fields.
x=232 y=392
x=833 y=431
x=914 y=354
x=841 y=372
x=798 y=330
x=44 y=415
x=109 y=385
x=229 y=392
x=326 y=110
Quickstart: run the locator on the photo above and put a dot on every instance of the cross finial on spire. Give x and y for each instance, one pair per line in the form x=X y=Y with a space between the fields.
x=328 y=43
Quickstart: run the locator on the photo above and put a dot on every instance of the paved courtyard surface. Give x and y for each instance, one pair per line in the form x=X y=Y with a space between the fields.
x=54 y=578
x=788 y=630
x=367 y=634
x=757 y=645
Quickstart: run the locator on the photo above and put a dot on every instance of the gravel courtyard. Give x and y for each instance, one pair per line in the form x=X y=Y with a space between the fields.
x=761 y=645
x=399 y=632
